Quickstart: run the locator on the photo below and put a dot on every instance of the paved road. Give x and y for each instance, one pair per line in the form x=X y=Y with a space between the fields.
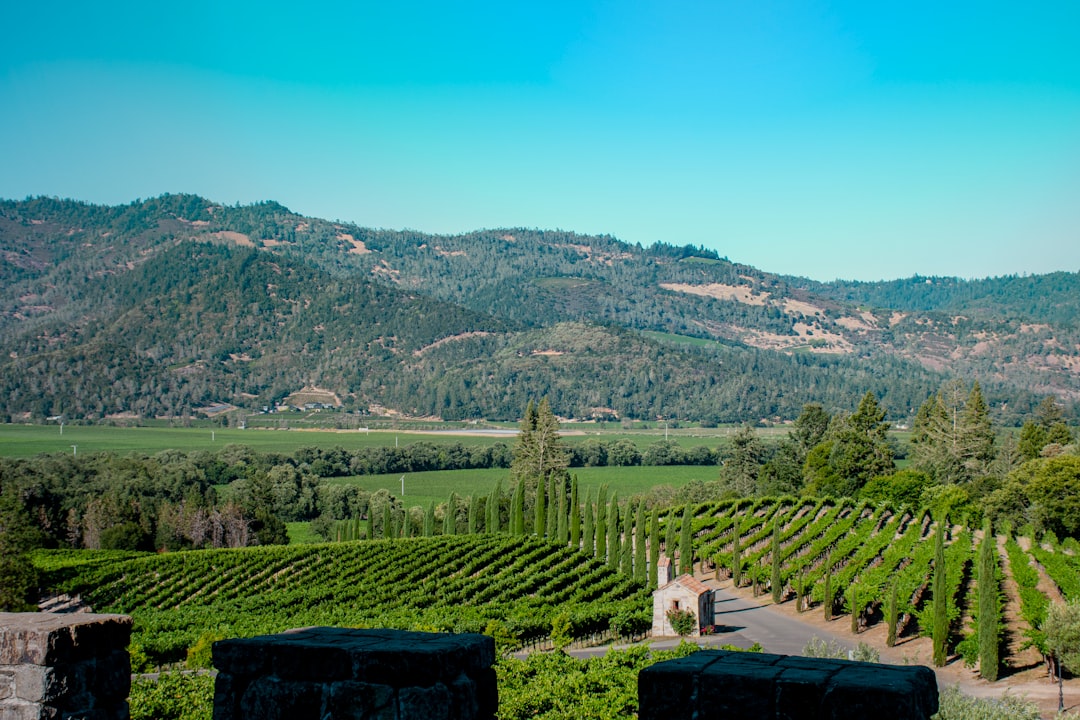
x=744 y=622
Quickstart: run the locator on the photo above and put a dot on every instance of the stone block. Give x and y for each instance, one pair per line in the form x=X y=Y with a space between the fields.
x=44 y=639
x=361 y=701
x=750 y=686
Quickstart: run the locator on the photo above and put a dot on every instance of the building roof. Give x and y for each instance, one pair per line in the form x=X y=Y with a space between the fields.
x=690 y=583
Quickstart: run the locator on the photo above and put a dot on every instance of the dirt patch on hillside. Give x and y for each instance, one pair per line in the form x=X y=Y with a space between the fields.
x=233 y=237
x=312 y=394
x=741 y=293
x=451 y=338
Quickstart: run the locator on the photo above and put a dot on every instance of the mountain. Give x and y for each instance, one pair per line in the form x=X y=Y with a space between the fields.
x=168 y=305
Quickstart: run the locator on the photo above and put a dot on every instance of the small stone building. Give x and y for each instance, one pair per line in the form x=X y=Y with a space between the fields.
x=683 y=593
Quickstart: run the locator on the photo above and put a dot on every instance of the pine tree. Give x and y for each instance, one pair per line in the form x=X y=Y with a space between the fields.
x=601 y=524
x=641 y=571
x=539 y=452
x=775 y=582
x=686 y=543
x=588 y=539
x=612 y=524
x=892 y=612
x=941 y=608
x=517 y=509
x=575 y=515
x=654 y=548
x=539 y=516
x=989 y=607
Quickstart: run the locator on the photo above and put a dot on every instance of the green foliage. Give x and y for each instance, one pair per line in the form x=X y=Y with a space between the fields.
x=172 y=696
x=1062 y=628
x=555 y=686
x=682 y=621
x=954 y=705
x=199 y=655
x=18 y=577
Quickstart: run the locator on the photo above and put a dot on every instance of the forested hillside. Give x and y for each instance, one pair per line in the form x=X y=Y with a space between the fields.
x=166 y=306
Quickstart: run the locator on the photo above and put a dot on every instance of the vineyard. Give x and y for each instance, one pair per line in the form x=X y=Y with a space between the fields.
x=835 y=557
x=512 y=586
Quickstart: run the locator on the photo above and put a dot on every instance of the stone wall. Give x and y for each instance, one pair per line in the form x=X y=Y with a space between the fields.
x=758 y=686
x=64 y=666
x=358 y=674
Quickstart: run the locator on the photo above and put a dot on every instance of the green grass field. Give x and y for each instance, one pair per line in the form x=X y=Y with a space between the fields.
x=29 y=440
x=423 y=488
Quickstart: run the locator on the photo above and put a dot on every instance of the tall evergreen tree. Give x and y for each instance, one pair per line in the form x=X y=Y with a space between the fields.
x=561 y=529
x=989 y=606
x=743 y=462
x=575 y=514
x=474 y=515
x=892 y=612
x=827 y=595
x=941 y=614
x=539 y=452
x=370 y=522
x=641 y=571
x=539 y=508
x=552 y=526
x=952 y=438
x=626 y=560
x=494 y=510
x=601 y=523
x=775 y=582
x=654 y=547
x=612 y=524
x=736 y=552
x=517 y=509
x=450 y=516
x=588 y=535
x=429 y=520
x=387 y=529
x=686 y=542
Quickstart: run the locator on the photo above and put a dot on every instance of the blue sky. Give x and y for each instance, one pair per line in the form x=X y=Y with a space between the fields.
x=859 y=140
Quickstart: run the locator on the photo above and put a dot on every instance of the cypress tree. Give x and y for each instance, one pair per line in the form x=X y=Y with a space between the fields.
x=941 y=610
x=827 y=596
x=551 y=527
x=587 y=545
x=539 y=517
x=686 y=543
x=670 y=529
x=641 y=570
x=575 y=514
x=561 y=530
x=989 y=609
x=601 y=524
x=654 y=547
x=370 y=522
x=800 y=592
x=892 y=612
x=736 y=553
x=517 y=510
x=429 y=520
x=473 y=517
x=449 y=526
x=626 y=561
x=612 y=525
x=386 y=519
x=494 y=519
x=775 y=581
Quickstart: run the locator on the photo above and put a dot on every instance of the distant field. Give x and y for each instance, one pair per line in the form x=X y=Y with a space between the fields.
x=29 y=440
x=423 y=488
